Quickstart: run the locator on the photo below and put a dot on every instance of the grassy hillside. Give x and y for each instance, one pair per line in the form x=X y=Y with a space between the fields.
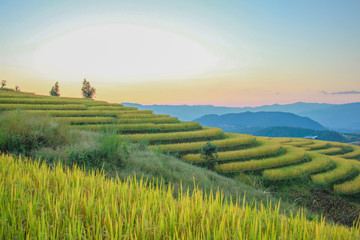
x=281 y=164
x=41 y=203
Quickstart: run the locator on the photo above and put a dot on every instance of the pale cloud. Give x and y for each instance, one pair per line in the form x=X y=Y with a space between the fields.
x=344 y=92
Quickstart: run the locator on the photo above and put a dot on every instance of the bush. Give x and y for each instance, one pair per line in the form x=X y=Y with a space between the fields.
x=21 y=133
x=209 y=154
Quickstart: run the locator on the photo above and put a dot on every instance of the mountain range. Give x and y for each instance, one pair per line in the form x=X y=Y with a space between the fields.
x=250 y=122
x=340 y=117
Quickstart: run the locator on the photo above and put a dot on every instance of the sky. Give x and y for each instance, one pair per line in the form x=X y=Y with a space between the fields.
x=225 y=53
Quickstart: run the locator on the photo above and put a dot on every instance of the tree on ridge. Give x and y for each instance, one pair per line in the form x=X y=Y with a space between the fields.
x=87 y=91
x=55 y=91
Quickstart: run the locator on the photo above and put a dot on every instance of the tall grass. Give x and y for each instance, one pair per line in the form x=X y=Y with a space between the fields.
x=20 y=132
x=37 y=203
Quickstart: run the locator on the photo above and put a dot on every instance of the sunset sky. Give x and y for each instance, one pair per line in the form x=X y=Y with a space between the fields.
x=224 y=53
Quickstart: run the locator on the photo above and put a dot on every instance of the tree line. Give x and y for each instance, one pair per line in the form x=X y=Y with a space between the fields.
x=86 y=90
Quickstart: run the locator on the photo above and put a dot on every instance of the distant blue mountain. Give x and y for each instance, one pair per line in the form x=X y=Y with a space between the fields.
x=342 y=117
x=254 y=121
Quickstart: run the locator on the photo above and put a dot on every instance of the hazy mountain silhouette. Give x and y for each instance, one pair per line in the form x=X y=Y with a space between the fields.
x=343 y=117
x=238 y=122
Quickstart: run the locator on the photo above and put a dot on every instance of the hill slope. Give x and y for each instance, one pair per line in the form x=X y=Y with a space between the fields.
x=328 y=166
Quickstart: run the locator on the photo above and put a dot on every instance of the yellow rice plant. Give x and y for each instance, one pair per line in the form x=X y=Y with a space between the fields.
x=42 y=107
x=282 y=139
x=86 y=120
x=75 y=113
x=5 y=94
x=88 y=102
x=352 y=186
x=143 y=127
x=299 y=143
x=317 y=145
x=353 y=154
x=40 y=101
x=318 y=161
x=292 y=155
x=39 y=203
x=206 y=132
x=265 y=147
x=112 y=107
x=155 y=119
x=330 y=151
x=139 y=115
x=343 y=168
x=232 y=140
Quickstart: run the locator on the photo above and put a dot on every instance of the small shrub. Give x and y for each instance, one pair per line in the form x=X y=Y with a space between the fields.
x=85 y=157
x=209 y=154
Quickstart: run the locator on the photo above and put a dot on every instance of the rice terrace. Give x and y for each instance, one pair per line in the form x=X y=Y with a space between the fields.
x=222 y=119
x=330 y=166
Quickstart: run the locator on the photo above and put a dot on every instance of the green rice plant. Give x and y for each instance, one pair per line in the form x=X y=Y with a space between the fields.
x=206 y=133
x=7 y=107
x=292 y=155
x=143 y=127
x=41 y=203
x=232 y=140
x=342 y=169
x=330 y=151
x=85 y=120
x=264 y=148
x=318 y=161
x=155 y=119
x=112 y=107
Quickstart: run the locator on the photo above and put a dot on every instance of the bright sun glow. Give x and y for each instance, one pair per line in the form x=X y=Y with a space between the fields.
x=125 y=51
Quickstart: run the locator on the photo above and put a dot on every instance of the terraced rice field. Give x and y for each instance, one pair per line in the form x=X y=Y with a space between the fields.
x=330 y=164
